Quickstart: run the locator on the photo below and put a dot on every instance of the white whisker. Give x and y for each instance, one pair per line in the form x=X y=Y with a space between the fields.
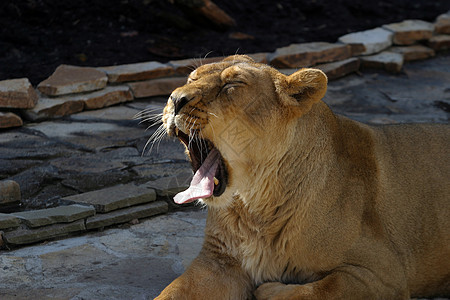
x=156 y=136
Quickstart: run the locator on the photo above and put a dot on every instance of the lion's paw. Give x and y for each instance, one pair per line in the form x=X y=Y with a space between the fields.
x=274 y=291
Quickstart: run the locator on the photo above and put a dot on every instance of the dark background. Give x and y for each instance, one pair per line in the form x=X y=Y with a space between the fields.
x=38 y=35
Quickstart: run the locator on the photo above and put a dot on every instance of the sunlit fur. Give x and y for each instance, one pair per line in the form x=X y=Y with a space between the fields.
x=317 y=206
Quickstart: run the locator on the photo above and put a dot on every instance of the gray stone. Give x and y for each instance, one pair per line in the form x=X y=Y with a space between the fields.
x=107 y=97
x=410 y=31
x=23 y=236
x=389 y=61
x=8 y=120
x=73 y=79
x=71 y=130
x=116 y=197
x=156 y=87
x=85 y=164
x=66 y=105
x=308 y=54
x=442 y=24
x=9 y=192
x=114 y=113
x=439 y=42
x=414 y=52
x=127 y=214
x=8 y=221
x=47 y=108
x=60 y=214
x=170 y=186
x=138 y=71
x=369 y=41
x=17 y=93
x=340 y=68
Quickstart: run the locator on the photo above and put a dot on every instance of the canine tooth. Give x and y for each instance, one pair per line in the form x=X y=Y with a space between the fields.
x=176 y=130
x=216 y=181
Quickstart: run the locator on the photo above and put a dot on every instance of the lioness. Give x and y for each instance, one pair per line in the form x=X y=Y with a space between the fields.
x=303 y=203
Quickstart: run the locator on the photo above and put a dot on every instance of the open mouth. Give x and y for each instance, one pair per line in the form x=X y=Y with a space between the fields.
x=210 y=175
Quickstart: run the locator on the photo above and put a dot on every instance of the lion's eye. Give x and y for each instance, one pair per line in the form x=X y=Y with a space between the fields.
x=230 y=85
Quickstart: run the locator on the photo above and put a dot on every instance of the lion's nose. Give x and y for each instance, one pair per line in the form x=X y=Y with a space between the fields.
x=179 y=102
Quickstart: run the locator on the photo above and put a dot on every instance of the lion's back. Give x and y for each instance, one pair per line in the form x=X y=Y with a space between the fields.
x=414 y=174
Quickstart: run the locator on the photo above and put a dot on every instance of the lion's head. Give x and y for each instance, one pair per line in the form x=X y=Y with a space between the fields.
x=232 y=117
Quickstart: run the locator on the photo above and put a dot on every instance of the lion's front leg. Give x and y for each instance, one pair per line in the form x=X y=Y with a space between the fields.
x=209 y=279
x=348 y=284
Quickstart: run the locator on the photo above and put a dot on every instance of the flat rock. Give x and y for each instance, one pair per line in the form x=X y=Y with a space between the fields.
x=156 y=87
x=23 y=236
x=116 y=197
x=9 y=119
x=109 y=96
x=369 y=41
x=88 y=164
x=8 y=221
x=47 y=108
x=127 y=214
x=308 y=54
x=410 y=31
x=114 y=113
x=72 y=79
x=186 y=66
x=9 y=192
x=439 y=42
x=17 y=93
x=340 y=68
x=389 y=61
x=60 y=214
x=138 y=71
x=442 y=24
x=414 y=52
x=170 y=186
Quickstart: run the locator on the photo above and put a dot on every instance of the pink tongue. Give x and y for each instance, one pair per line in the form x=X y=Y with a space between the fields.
x=202 y=184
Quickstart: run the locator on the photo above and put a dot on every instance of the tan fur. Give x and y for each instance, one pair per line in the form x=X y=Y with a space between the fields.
x=317 y=206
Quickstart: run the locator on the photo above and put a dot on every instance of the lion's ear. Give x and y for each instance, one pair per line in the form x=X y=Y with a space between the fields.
x=239 y=58
x=305 y=87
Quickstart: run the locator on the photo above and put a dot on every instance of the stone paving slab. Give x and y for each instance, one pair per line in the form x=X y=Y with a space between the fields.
x=17 y=93
x=389 y=61
x=340 y=68
x=47 y=108
x=73 y=79
x=156 y=87
x=60 y=214
x=8 y=221
x=9 y=191
x=138 y=71
x=116 y=197
x=27 y=236
x=439 y=42
x=369 y=41
x=409 y=32
x=442 y=24
x=127 y=214
x=308 y=54
x=414 y=52
x=170 y=186
x=9 y=119
x=107 y=97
